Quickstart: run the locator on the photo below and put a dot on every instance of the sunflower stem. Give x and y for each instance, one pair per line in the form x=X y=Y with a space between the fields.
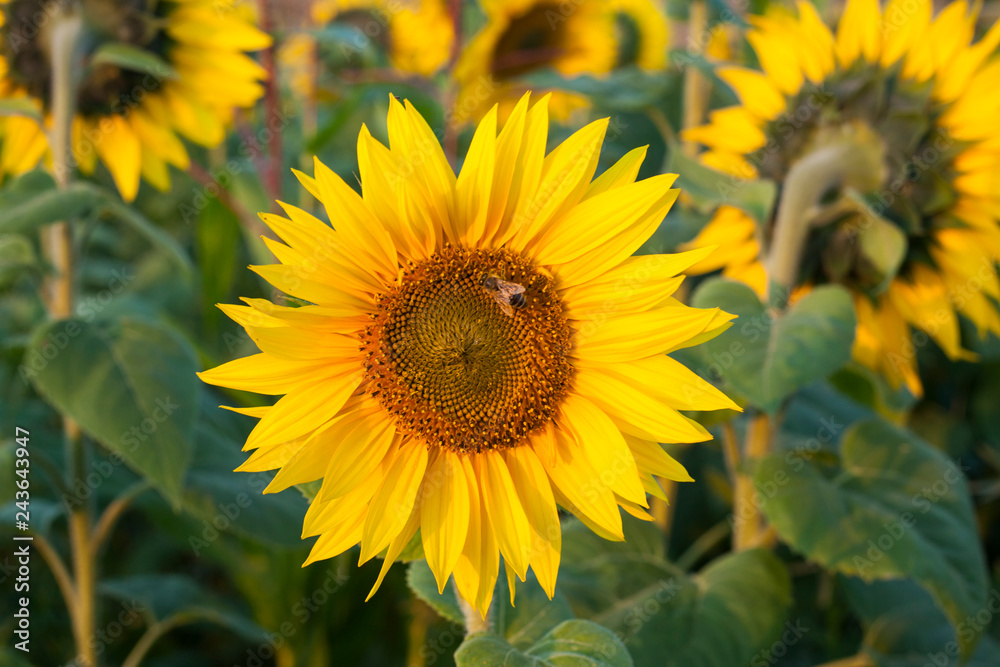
x=451 y=123
x=853 y=160
x=474 y=621
x=57 y=239
x=274 y=174
x=67 y=26
x=695 y=85
x=748 y=529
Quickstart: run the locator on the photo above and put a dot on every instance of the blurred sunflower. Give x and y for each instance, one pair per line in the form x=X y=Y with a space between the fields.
x=571 y=38
x=418 y=34
x=193 y=73
x=642 y=33
x=922 y=249
x=475 y=349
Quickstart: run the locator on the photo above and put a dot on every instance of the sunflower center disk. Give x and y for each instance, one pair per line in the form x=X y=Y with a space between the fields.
x=532 y=40
x=462 y=365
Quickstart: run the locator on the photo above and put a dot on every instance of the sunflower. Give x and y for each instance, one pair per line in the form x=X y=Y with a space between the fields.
x=418 y=34
x=195 y=73
x=643 y=33
x=530 y=35
x=922 y=88
x=475 y=350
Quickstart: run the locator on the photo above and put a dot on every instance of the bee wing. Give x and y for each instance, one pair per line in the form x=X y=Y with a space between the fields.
x=507 y=289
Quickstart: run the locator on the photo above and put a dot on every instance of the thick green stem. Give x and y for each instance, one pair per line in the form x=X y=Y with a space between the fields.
x=695 y=85
x=850 y=161
x=474 y=622
x=58 y=242
x=57 y=239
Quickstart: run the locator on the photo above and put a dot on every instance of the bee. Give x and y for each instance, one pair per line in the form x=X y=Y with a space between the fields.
x=508 y=295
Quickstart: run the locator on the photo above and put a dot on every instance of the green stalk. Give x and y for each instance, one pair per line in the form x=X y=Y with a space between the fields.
x=854 y=160
x=58 y=242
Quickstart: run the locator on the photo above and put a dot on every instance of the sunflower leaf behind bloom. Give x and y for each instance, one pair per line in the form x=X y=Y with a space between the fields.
x=768 y=357
x=449 y=372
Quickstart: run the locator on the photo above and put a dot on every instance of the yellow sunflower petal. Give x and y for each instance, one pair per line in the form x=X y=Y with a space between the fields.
x=535 y=492
x=632 y=337
x=622 y=173
x=475 y=182
x=604 y=445
x=581 y=489
x=444 y=515
x=596 y=221
x=636 y=413
x=858 y=33
x=503 y=507
x=121 y=151
x=394 y=503
x=566 y=174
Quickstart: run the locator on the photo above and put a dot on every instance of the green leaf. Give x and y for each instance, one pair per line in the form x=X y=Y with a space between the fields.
x=708 y=188
x=114 y=207
x=16 y=254
x=133 y=58
x=532 y=615
x=42 y=514
x=33 y=200
x=157 y=597
x=20 y=106
x=522 y=625
x=224 y=500
x=904 y=628
x=766 y=356
x=894 y=507
x=720 y=617
x=572 y=643
x=131 y=385
x=883 y=245
x=421 y=581
x=218 y=237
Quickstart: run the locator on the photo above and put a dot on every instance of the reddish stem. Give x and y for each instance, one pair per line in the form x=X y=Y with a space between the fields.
x=450 y=96
x=272 y=176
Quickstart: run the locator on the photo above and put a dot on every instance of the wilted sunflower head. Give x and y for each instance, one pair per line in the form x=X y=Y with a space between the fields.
x=153 y=72
x=475 y=350
x=417 y=34
x=528 y=36
x=921 y=247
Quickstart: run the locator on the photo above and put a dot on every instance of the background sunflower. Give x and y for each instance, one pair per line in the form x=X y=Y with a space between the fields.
x=920 y=246
x=154 y=73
